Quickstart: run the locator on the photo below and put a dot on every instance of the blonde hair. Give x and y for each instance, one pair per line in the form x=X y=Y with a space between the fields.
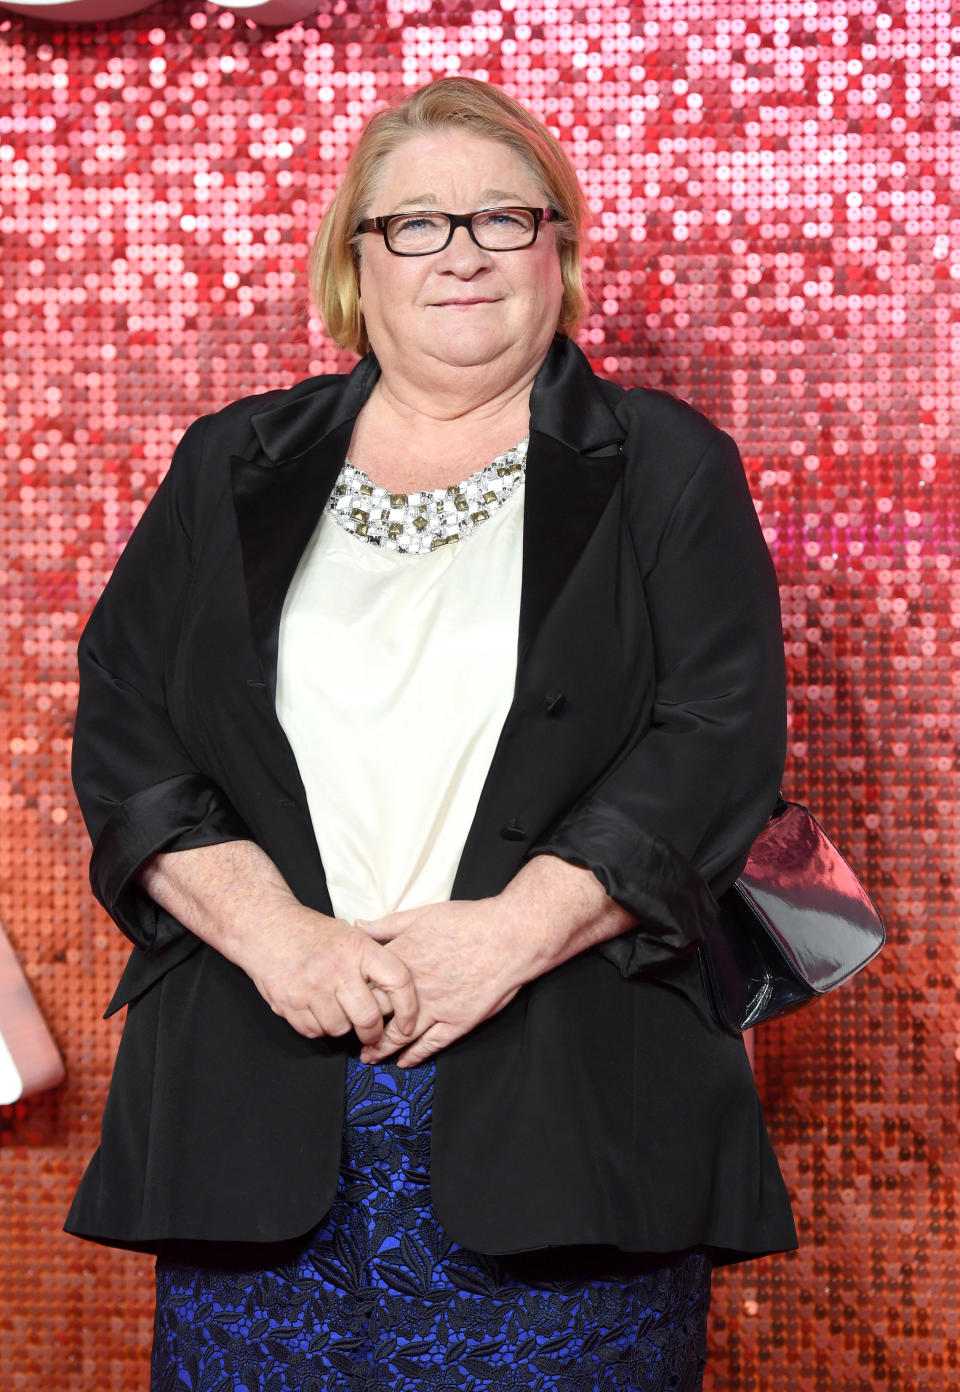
x=461 y=103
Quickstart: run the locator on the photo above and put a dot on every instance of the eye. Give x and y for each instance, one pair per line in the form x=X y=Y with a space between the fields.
x=413 y=223
x=506 y=217
x=409 y=224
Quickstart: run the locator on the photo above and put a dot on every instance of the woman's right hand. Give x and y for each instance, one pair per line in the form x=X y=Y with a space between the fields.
x=326 y=977
x=322 y=975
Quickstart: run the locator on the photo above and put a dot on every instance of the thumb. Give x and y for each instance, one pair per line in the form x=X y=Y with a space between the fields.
x=388 y=927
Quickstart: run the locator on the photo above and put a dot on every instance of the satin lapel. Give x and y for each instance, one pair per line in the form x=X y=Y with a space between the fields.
x=573 y=465
x=280 y=491
x=565 y=494
x=278 y=506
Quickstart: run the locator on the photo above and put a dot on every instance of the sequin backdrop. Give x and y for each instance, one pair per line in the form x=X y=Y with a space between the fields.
x=776 y=239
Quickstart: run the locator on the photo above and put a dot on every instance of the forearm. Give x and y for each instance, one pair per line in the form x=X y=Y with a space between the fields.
x=322 y=975
x=558 y=909
x=229 y=894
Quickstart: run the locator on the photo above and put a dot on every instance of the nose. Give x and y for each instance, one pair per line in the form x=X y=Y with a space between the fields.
x=462 y=255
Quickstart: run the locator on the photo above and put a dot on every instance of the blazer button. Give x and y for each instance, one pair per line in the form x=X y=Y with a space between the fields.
x=556 y=701
x=512 y=832
x=285 y=802
x=255 y=682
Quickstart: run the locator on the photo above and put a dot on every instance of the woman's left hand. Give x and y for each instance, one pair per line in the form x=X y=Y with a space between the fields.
x=469 y=957
x=467 y=965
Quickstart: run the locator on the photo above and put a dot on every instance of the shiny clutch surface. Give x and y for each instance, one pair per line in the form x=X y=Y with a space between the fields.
x=796 y=924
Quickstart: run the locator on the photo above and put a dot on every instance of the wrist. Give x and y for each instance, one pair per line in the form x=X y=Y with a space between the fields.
x=230 y=895
x=559 y=909
x=530 y=929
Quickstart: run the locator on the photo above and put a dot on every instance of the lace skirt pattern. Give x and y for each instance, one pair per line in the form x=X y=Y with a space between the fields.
x=379 y=1299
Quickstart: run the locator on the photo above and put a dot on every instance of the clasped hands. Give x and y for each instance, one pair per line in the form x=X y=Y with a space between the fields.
x=463 y=964
x=414 y=980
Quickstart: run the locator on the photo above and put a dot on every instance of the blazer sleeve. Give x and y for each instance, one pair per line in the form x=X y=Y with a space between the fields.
x=668 y=827
x=138 y=788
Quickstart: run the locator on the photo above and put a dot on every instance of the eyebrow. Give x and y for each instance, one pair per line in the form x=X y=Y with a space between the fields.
x=487 y=197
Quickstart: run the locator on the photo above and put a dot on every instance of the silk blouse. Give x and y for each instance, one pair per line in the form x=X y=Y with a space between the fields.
x=395 y=675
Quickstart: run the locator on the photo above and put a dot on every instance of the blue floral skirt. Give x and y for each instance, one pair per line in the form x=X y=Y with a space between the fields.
x=379 y=1299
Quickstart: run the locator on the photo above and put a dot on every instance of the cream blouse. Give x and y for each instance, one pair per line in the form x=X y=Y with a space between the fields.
x=395 y=675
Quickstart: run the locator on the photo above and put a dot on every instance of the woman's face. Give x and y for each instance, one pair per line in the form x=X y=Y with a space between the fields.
x=461 y=307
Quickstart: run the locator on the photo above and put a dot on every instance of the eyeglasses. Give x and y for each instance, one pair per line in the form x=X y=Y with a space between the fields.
x=493 y=229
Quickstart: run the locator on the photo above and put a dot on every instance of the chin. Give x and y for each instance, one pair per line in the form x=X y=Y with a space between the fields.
x=469 y=349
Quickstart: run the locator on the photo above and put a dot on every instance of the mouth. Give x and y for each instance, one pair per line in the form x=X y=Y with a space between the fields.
x=462 y=304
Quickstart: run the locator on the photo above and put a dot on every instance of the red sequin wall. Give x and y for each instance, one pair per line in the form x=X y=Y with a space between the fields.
x=776 y=238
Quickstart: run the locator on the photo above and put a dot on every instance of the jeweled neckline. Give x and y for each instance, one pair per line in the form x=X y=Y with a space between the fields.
x=415 y=523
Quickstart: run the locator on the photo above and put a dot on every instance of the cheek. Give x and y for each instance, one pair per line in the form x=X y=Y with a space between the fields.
x=549 y=281
x=387 y=288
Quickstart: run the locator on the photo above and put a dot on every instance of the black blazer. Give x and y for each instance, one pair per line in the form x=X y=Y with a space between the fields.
x=645 y=741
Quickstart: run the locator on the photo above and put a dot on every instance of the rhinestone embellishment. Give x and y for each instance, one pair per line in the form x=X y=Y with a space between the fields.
x=418 y=522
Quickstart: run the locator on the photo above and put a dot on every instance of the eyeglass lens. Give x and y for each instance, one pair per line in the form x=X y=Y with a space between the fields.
x=498 y=229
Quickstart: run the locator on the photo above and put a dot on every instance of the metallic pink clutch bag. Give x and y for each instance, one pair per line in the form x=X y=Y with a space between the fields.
x=795 y=925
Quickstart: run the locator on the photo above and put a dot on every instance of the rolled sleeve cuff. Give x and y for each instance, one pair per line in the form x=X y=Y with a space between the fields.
x=179 y=814
x=670 y=900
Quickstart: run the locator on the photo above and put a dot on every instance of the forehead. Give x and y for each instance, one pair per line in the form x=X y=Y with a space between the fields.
x=443 y=168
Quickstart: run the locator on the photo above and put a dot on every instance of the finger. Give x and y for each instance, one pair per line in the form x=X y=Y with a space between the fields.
x=372 y=930
x=376 y=1053
x=380 y=929
x=384 y=1003
x=359 y=1005
x=428 y=1044
x=388 y=927
x=304 y=1022
x=299 y=1017
x=332 y=1019
x=391 y=974
x=405 y=1006
x=392 y=1039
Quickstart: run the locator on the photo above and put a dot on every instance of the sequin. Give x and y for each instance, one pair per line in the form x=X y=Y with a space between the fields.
x=775 y=238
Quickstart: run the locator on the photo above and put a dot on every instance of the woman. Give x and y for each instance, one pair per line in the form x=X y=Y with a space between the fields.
x=500 y=642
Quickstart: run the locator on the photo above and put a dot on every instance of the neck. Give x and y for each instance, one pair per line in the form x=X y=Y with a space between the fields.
x=408 y=439
x=463 y=403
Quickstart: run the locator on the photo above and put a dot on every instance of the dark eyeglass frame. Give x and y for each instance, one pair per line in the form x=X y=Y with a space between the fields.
x=455 y=220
